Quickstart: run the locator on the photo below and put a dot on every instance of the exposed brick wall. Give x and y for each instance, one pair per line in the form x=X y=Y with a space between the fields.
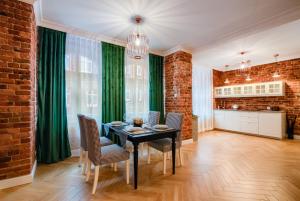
x=290 y=74
x=17 y=88
x=178 y=78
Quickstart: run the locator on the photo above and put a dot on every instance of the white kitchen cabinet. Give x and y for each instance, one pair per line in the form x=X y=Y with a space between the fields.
x=248 y=122
x=219 y=119
x=276 y=88
x=265 y=123
x=231 y=119
x=271 y=124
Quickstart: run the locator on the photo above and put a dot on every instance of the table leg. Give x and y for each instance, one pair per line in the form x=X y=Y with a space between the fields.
x=173 y=153
x=135 y=163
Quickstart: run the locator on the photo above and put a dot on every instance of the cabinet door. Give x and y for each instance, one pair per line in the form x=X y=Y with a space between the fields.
x=232 y=121
x=219 y=119
x=218 y=92
x=249 y=122
x=248 y=90
x=270 y=124
x=260 y=89
x=237 y=91
x=275 y=89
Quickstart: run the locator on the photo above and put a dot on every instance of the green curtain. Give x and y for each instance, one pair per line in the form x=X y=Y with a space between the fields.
x=52 y=143
x=113 y=84
x=156 y=94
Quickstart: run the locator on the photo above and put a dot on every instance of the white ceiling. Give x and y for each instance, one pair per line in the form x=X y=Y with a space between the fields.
x=194 y=24
x=260 y=48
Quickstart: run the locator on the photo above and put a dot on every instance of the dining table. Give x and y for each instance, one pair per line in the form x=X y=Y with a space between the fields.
x=148 y=134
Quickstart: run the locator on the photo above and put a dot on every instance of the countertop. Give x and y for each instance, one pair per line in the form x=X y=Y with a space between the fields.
x=266 y=111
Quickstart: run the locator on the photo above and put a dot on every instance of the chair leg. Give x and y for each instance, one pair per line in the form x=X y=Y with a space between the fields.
x=95 y=179
x=165 y=162
x=86 y=159
x=88 y=171
x=127 y=171
x=149 y=155
x=80 y=157
x=112 y=165
x=115 y=167
x=180 y=157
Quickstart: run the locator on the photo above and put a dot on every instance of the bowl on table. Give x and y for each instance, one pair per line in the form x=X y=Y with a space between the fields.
x=138 y=122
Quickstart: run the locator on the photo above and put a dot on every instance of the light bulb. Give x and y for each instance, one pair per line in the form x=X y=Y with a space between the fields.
x=275 y=75
x=137 y=42
x=248 y=78
x=243 y=65
x=226 y=81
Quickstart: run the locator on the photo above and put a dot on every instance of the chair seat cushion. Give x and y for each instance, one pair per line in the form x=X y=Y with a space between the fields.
x=104 y=141
x=163 y=145
x=129 y=146
x=113 y=154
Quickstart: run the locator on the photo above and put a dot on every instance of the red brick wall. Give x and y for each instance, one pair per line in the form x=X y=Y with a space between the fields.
x=290 y=74
x=178 y=77
x=17 y=88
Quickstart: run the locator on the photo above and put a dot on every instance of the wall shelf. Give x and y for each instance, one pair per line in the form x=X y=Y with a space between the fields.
x=276 y=88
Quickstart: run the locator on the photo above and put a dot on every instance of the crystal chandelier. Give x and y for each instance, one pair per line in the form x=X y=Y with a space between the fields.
x=137 y=42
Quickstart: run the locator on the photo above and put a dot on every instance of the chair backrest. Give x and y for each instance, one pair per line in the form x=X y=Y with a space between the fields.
x=175 y=120
x=153 y=118
x=83 y=132
x=93 y=142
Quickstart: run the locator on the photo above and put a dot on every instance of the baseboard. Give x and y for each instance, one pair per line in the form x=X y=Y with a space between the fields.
x=188 y=141
x=16 y=181
x=75 y=153
x=297 y=137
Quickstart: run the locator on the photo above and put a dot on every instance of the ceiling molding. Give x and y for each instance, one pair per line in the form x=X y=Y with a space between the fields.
x=28 y=1
x=176 y=49
x=40 y=21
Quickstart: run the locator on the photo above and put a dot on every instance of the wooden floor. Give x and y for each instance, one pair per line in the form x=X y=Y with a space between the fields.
x=220 y=167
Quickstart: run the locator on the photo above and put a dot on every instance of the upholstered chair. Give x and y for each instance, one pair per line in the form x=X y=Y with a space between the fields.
x=173 y=120
x=102 y=155
x=83 y=142
x=153 y=119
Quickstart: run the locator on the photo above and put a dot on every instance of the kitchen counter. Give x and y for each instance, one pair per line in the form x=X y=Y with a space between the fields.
x=266 y=111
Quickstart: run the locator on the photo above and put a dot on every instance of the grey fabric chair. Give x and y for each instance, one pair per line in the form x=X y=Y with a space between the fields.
x=173 y=120
x=101 y=155
x=153 y=118
x=83 y=142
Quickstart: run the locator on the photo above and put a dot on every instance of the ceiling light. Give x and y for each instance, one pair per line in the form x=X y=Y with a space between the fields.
x=276 y=74
x=226 y=80
x=243 y=64
x=137 y=42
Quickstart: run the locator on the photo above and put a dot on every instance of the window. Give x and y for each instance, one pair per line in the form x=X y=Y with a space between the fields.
x=137 y=88
x=92 y=98
x=83 y=83
x=86 y=65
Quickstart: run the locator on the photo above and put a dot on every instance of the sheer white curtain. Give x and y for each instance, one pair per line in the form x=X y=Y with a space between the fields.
x=203 y=97
x=83 y=83
x=137 y=88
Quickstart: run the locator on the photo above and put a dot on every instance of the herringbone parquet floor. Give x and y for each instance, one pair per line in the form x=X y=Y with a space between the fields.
x=220 y=167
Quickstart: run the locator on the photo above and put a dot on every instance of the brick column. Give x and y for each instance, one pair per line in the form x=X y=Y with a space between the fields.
x=17 y=88
x=178 y=86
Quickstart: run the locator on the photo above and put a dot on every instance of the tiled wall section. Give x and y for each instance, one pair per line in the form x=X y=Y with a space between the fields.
x=290 y=74
x=178 y=85
x=17 y=88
